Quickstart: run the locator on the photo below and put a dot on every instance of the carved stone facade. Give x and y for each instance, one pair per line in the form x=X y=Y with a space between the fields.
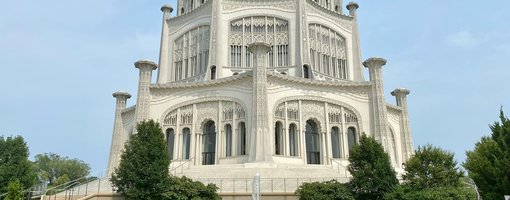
x=275 y=86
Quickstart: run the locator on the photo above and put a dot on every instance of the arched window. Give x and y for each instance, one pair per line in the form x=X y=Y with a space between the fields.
x=191 y=53
x=209 y=143
x=306 y=71
x=228 y=140
x=213 y=72
x=186 y=141
x=242 y=139
x=352 y=138
x=170 y=143
x=327 y=51
x=270 y=30
x=182 y=10
x=292 y=140
x=278 y=138
x=336 y=142
x=313 y=143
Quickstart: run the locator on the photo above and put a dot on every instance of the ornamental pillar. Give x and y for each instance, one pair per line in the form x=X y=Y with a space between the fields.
x=379 y=112
x=260 y=150
x=357 y=71
x=405 y=130
x=118 y=138
x=144 y=82
x=164 y=55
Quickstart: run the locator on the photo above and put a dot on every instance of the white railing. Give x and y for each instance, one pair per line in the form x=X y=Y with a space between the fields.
x=180 y=168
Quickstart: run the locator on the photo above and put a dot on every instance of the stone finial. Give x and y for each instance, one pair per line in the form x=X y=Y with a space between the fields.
x=400 y=92
x=121 y=94
x=142 y=64
x=167 y=8
x=352 y=7
x=374 y=62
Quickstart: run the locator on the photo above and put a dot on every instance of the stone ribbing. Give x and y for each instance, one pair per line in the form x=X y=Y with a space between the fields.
x=143 y=99
x=378 y=104
x=405 y=130
x=118 y=135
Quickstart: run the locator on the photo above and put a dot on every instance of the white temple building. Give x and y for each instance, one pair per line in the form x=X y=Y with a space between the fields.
x=274 y=87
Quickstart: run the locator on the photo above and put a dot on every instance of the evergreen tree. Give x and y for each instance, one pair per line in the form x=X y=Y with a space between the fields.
x=14 y=163
x=143 y=169
x=372 y=173
x=432 y=167
x=14 y=191
x=489 y=163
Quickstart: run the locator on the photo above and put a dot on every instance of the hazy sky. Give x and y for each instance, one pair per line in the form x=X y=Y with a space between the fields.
x=61 y=61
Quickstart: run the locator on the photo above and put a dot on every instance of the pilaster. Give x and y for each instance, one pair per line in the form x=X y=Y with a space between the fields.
x=143 y=98
x=405 y=130
x=118 y=138
x=380 y=126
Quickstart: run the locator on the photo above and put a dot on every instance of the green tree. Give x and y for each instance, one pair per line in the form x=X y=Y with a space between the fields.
x=432 y=167
x=405 y=192
x=51 y=167
x=143 y=169
x=372 y=173
x=185 y=188
x=431 y=173
x=489 y=163
x=14 y=191
x=329 y=190
x=14 y=163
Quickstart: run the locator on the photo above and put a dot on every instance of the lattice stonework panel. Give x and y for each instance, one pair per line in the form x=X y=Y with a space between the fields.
x=327 y=51
x=270 y=30
x=191 y=53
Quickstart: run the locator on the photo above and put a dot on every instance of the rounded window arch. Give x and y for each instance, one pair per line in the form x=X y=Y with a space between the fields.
x=228 y=140
x=189 y=62
x=336 y=142
x=306 y=71
x=186 y=142
x=313 y=143
x=352 y=137
x=209 y=143
x=293 y=140
x=328 y=51
x=278 y=138
x=170 y=136
x=213 y=72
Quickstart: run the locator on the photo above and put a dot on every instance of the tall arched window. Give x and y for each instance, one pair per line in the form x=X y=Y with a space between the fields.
x=352 y=138
x=191 y=53
x=313 y=143
x=242 y=139
x=278 y=138
x=186 y=141
x=292 y=140
x=209 y=143
x=269 y=30
x=213 y=72
x=170 y=143
x=327 y=51
x=228 y=140
x=306 y=71
x=336 y=142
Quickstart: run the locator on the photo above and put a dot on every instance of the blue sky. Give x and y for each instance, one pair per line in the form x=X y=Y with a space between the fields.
x=62 y=60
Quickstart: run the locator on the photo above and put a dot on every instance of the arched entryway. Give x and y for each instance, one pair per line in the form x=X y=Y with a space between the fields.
x=186 y=142
x=352 y=137
x=336 y=142
x=170 y=143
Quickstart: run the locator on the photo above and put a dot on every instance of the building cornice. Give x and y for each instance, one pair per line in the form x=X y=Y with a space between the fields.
x=318 y=82
x=393 y=107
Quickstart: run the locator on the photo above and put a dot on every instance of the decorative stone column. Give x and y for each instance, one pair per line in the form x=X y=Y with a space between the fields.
x=405 y=130
x=144 y=82
x=356 y=46
x=378 y=104
x=260 y=150
x=163 y=49
x=118 y=138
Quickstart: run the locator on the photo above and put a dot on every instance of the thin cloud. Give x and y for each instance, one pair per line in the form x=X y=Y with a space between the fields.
x=463 y=39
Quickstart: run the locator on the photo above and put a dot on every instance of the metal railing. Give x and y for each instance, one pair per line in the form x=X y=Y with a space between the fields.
x=181 y=166
x=337 y=165
x=285 y=185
